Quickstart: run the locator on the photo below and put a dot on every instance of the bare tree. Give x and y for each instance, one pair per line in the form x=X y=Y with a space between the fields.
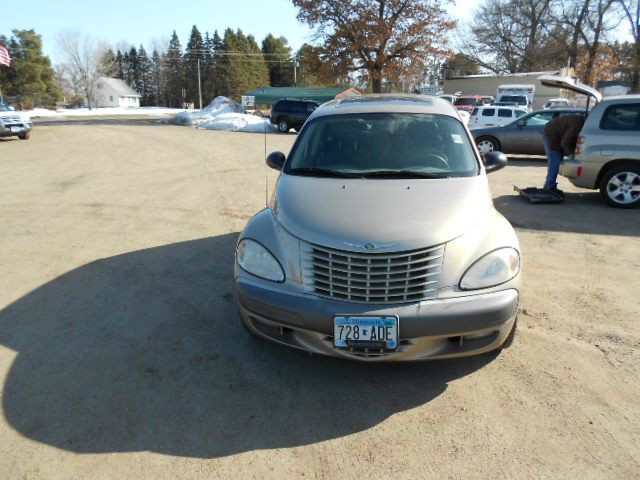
x=596 y=25
x=381 y=38
x=82 y=59
x=631 y=9
x=508 y=36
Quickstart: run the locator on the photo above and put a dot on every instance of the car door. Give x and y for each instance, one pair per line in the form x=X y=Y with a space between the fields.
x=487 y=117
x=531 y=130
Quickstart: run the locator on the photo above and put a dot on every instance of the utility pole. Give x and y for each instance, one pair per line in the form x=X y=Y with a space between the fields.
x=199 y=85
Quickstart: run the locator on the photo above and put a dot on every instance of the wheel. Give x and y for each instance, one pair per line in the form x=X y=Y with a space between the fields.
x=24 y=136
x=620 y=187
x=283 y=125
x=509 y=340
x=487 y=144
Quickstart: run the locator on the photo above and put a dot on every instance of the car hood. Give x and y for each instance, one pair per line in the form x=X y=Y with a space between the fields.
x=22 y=116
x=392 y=213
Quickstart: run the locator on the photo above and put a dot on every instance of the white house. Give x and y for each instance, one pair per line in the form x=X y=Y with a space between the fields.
x=113 y=92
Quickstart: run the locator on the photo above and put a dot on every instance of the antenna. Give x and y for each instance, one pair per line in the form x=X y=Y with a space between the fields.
x=266 y=173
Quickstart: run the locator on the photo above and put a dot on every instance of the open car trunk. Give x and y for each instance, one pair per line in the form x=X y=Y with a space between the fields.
x=570 y=83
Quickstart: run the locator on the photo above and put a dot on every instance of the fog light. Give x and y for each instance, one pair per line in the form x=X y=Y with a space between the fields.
x=477 y=336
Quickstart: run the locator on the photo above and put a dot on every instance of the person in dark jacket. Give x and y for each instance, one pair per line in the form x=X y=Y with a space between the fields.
x=560 y=138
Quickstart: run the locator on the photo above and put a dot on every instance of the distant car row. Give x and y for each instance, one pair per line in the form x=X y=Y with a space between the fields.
x=607 y=155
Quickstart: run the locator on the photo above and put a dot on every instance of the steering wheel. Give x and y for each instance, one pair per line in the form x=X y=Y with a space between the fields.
x=433 y=155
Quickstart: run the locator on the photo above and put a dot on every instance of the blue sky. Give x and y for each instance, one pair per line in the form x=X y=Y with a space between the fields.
x=150 y=22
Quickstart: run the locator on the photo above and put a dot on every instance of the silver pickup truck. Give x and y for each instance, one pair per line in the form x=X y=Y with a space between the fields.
x=607 y=155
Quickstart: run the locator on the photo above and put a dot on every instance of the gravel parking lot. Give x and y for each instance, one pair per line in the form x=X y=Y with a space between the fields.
x=122 y=356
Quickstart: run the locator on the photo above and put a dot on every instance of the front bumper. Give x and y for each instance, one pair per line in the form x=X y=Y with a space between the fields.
x=8 y=130
x=428 y=330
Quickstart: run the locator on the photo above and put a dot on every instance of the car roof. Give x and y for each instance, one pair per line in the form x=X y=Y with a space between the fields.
x=507 y=107
x=622 y=98
x=386 y=103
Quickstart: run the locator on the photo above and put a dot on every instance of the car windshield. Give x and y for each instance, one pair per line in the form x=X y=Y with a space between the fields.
x=520 y=99
x=466 y=101
x=393 y=145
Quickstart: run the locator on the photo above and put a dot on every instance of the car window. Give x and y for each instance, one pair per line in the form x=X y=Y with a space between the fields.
x=297 y=106
x=488 y=112
x=466 y=101
x=505 y=113
x=519 y=113
x=621 y=117
x=539 y=119
x=381 y=142
x=475 y=112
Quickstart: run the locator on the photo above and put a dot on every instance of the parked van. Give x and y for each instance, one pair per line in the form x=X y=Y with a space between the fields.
x=491 y=116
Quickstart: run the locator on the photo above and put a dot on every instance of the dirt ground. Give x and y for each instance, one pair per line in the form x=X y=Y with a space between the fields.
x=122 y=356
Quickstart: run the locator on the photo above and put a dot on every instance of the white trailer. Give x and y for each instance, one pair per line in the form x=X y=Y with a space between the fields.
x=515 y=94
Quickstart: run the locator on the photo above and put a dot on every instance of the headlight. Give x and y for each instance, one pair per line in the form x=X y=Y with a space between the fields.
x=494 y=268
x=257 y=260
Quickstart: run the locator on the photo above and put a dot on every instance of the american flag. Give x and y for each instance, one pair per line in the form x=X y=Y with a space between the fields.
x=5 y=58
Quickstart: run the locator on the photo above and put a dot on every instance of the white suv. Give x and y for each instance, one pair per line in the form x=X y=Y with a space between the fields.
x=14 y=123
x=491 y=116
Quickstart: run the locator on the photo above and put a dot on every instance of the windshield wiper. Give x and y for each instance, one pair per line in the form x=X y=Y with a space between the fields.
x=325 y=172
x=405 y=174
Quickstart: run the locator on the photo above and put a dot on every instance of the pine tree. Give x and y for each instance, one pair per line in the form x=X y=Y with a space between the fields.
x=174 y=72
x=194 y=53
x=145 y=77
x=119 y=65
x=277 y=54
x=31 y=77
x=157 y=79
x=242 y=65
x=133 y=69
x=109 y=64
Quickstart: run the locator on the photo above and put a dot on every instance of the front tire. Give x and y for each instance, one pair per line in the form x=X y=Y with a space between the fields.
x=24 y=136
x=487 y=144
x=283 y=125
x=620 y=187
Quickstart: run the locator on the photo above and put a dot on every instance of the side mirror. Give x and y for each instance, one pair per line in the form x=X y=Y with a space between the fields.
x=276 y=160
x=521 y=123
x=494 y=161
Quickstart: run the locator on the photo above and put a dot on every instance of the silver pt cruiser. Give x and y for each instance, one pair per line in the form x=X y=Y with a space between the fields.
x=381 y=241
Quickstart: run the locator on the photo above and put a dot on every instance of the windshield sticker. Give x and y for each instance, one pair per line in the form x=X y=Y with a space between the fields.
x=456 y=138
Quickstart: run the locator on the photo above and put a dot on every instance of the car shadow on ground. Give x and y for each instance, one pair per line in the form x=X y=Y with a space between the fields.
x=585 y=212
x=527 y=162
x=100 y=121
x=145 y=351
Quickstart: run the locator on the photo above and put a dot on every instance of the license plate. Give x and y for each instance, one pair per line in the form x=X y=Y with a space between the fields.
x=15 y=129
x=365 y=332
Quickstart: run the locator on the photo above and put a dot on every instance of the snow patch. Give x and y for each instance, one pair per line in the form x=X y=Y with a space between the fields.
x=224 y=114
x=99 y=112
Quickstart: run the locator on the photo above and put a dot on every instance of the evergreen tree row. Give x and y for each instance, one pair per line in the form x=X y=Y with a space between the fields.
x=229 y=65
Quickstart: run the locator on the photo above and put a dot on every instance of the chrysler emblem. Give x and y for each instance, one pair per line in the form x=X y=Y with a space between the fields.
x=370 y=247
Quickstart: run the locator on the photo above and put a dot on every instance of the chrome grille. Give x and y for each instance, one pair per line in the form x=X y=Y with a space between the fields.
x=11 y=119
x=395 y=277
